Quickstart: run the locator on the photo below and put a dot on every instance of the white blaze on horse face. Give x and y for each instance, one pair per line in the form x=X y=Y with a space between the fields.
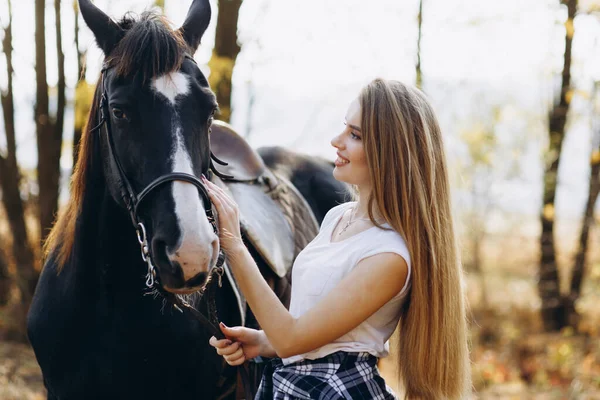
x=197 y=247
x=172 y=85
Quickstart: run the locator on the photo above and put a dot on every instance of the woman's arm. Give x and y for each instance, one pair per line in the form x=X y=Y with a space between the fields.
x=371 y=284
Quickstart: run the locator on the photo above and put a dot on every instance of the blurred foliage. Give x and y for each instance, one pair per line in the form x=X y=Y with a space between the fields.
x=84 y=96
x=221 y=70
x=160 y=4
x=480 y=142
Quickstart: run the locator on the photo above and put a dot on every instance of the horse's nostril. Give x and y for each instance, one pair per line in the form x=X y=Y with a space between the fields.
x=159 y=252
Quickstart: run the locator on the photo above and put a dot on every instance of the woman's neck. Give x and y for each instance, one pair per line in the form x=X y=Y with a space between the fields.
x=362 y=205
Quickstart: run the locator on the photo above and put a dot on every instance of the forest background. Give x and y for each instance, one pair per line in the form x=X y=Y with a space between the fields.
x=516 y=85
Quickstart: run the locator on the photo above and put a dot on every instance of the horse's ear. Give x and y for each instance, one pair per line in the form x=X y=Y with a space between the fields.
x=106 y=31
x=196 y=22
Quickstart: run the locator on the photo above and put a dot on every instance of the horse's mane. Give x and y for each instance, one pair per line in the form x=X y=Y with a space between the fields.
x=149 y=48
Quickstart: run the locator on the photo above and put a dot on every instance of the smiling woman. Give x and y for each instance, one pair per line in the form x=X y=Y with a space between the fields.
x=383 y=262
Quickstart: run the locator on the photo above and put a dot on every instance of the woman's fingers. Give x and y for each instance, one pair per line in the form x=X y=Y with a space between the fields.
x=219 y=344
x=220 y=194
x=229 y=350
x=221 y=204
x=237 y=362
x=234 y=355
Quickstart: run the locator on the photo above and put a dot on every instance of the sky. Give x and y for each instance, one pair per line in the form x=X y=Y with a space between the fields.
x=303 y=61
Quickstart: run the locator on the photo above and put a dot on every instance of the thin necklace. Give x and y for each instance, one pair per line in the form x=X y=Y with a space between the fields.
x=350 y=222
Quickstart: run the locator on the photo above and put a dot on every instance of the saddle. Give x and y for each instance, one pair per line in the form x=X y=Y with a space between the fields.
x=274 y=217
x=243 y=163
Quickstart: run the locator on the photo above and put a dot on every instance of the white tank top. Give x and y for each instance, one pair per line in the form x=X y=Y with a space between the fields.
x=323 y=264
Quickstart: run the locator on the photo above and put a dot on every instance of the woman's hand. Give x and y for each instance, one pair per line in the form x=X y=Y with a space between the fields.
x=228 y=217
x=241 y=344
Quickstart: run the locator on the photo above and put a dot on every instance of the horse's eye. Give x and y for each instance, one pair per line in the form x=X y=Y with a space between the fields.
x=118 y=113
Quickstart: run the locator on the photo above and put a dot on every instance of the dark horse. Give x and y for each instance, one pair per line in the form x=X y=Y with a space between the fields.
x=95 y=332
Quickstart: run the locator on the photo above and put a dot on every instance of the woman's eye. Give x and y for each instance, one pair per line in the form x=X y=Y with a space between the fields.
x=118 y=113
x=354 y=136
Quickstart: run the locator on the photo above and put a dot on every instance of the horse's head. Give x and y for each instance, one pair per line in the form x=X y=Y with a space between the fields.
x=158 y=110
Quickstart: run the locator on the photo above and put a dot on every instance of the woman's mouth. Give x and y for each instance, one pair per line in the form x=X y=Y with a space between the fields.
x=340 y=161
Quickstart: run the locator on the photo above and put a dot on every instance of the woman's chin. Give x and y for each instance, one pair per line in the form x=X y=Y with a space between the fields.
x=350 y=177
x=341 y=175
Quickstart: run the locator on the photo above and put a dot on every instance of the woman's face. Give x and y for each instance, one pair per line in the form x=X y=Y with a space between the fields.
x=351 y=163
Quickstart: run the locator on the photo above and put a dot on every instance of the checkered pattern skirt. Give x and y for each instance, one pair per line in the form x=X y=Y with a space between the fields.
x=340 y=375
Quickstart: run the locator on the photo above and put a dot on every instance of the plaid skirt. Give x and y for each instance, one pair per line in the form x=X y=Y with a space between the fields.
x=340 y=375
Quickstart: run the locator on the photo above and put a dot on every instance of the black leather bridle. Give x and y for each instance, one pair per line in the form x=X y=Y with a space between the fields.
x=132 y=201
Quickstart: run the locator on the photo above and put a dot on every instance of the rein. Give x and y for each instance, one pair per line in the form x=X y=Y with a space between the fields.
x=132 y=202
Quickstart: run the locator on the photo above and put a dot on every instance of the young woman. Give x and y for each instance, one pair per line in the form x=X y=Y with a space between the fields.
x=387 y=260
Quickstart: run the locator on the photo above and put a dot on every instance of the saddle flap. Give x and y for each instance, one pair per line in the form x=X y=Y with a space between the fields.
x=243 y=162
x=265 y=226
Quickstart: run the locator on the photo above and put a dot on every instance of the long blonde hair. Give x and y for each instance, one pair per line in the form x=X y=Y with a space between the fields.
x=405 y=155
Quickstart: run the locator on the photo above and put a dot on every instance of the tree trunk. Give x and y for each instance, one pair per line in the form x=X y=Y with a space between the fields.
x=49 y=131
x=10 y=178
x=61 y=100
x=553 y=315
x=419 y=73
x=588 y=221
x=80 y=110
x=5 y=281
x=224 y=55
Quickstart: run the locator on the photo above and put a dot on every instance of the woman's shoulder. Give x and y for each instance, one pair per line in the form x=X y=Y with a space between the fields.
x=387 y=240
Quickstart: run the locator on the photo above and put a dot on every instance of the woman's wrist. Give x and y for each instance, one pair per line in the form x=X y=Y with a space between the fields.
x=235 y=251
x=266 y=349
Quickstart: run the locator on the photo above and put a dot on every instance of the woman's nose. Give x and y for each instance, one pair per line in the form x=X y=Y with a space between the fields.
x=336 y=142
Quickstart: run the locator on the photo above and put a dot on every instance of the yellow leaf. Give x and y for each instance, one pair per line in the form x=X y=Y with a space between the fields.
x=84 y=96
x=220 y=68
x=570 y=28
x=569 y=95
x=595 y=157
x=548 y=212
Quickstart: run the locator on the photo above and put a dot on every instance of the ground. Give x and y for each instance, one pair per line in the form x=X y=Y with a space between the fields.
x=20 y=375
x=494 y=376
